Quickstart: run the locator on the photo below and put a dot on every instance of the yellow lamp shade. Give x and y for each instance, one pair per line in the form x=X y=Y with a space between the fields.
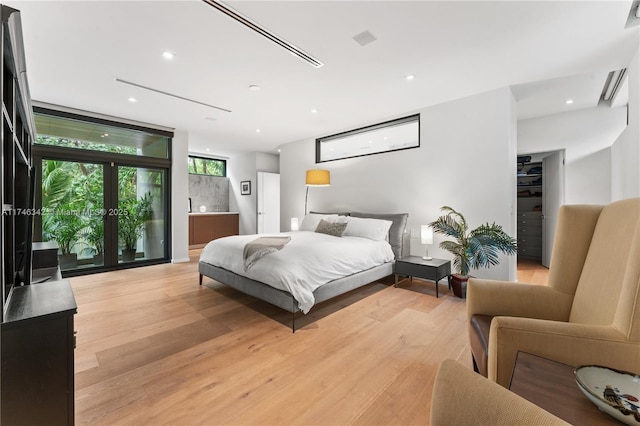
x=318 y=178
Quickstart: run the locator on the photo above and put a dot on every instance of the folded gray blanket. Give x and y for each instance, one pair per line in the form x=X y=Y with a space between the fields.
x=258 y=248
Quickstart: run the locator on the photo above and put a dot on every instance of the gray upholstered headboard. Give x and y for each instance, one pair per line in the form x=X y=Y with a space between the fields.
x=398 y=239
x=396 y=232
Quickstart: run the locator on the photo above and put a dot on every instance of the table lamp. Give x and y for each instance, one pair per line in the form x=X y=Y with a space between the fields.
x=426 y=237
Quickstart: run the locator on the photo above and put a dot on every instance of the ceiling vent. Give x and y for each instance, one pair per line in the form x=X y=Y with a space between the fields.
x=364 y=38
x=633 y=19
x=263 y=32
x=140 y=86
x=613 y=84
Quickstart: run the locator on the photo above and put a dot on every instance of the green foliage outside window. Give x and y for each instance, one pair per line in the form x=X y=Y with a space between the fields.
x=92 y=146
x=207 y=166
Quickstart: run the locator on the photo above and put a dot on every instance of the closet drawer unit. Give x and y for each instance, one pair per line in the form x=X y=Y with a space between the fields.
x=529 y=215
x=530 y=240
x=529 y=223
x=529 y=231
x=530 y=251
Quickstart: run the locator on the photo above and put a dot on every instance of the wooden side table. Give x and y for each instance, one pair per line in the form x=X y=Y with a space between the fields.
x=416 y=266
x=552 y=386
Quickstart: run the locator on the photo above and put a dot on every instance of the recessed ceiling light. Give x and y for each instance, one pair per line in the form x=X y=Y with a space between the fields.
x=131 y=99
x=254 y=88
x=313 y=111
x=167 y=55
x=207 y=150
x=257 y=130
x=568 y=101
x=279 y=150
x=409 y=77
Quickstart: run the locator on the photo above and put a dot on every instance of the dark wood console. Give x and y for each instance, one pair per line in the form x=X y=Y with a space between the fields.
x=37 y=355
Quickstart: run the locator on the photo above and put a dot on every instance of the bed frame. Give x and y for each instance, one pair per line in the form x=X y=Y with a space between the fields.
x=284 y=299
x=398 y=239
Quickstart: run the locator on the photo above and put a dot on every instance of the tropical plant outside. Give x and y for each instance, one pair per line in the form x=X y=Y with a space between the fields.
x=475 y=249
x=133 y=213
x=206 y=166
x=73 y=206
x=88 y=145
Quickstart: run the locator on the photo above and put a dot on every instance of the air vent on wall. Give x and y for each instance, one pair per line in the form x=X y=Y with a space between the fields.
x=263 y=32
x=613 y=84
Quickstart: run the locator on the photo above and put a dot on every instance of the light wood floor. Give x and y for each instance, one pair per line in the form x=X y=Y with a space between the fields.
x=155 y=348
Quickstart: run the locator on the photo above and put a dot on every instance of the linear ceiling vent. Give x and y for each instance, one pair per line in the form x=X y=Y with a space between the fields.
x=633 y=19
x=613 y=84
x=162 y=92
x=274 y=38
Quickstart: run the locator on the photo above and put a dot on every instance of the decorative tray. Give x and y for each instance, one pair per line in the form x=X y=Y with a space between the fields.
x=615 y=392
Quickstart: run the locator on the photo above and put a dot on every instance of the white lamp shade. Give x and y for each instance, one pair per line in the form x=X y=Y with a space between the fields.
x=426 y=234
x=294 y=224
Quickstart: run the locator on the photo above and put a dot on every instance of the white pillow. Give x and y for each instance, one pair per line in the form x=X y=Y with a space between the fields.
x=311 y=221
x=373 y=229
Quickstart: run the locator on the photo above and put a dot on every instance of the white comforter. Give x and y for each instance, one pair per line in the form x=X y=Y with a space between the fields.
x=308 y=261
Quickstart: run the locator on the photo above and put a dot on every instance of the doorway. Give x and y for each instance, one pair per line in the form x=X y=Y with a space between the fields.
x=268 y=203
x=540 y=193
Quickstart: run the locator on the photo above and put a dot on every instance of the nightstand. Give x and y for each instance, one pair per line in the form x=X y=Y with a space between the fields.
x=416 y=266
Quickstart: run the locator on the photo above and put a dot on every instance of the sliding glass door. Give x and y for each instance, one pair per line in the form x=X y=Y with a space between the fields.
x=140 y=213
x=103 y=192
x=73 y=211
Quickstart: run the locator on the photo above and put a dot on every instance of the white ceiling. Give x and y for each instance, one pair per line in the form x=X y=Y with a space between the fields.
x=76 y=50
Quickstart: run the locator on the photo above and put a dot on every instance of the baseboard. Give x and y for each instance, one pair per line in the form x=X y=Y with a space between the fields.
x=181 y=260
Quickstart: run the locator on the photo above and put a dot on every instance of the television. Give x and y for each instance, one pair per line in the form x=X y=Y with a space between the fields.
x=25 y=213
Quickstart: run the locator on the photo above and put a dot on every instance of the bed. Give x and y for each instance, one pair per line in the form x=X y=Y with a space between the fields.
x=313 y=266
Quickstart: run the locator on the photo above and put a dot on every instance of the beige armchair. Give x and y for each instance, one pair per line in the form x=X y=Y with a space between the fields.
x=461 y=397
x=589 y=313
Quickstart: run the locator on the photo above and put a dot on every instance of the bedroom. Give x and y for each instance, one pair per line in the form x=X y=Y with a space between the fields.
x=469 y=115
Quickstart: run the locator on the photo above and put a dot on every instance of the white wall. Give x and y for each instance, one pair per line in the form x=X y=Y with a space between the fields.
x=179 y=197
x=625 y=152
x=466 y=161
x=586 y=135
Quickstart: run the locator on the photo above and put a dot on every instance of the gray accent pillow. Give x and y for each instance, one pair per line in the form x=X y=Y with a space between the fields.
x=335 y=229
x=399 y=223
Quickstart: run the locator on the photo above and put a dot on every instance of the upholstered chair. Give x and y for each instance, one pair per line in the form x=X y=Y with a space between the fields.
x=589 y=313
x=461 y=397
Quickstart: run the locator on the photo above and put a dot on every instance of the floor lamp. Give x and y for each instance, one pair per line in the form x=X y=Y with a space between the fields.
x=316 y=178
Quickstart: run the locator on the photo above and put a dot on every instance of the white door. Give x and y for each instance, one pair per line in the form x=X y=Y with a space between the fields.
x=553 y=190
x=268 y=203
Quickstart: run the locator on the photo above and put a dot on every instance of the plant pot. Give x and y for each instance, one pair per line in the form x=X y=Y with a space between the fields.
x=98 y=259
x=128 y=255
x=68 y=261
x=459 y=285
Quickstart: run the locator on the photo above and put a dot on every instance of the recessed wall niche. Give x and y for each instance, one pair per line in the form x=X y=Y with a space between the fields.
x=209 y=191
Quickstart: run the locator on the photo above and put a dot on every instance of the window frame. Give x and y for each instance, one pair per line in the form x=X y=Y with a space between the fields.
x=201 y=157
x=414 y=118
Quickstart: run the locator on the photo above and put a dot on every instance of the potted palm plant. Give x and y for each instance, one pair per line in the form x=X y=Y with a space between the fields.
x=94 y=235
x=478 y=248
x=65 y=228
x=133 y=214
